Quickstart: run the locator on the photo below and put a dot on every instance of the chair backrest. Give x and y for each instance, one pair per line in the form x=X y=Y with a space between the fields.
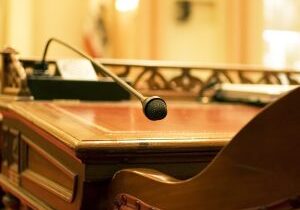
x=259 y=166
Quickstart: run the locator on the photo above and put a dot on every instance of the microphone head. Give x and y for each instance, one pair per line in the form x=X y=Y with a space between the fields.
x=155 y=108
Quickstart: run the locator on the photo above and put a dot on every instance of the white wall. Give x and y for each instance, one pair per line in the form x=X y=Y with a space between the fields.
x=28 y=24
x=217 y=32
x=195 y=39
x=2 y=16
x=63 y=19
x=18 y=25
x=155 y=33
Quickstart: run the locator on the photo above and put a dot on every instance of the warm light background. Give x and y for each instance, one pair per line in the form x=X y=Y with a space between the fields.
x=217 y=31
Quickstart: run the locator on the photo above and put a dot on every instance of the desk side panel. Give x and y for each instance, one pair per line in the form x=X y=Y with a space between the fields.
x=40 y=169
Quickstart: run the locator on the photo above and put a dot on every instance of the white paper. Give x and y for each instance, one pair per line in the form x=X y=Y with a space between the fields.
x=76 y=69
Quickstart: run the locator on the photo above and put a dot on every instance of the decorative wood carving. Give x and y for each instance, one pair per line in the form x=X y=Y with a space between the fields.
x=128 y=202
x=168 y=79
x=14 y=79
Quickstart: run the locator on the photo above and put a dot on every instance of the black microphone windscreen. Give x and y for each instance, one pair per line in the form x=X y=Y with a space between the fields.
x=155 y=108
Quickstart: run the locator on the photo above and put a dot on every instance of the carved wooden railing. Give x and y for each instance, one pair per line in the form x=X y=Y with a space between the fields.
x=191 y=80
x=183 y=80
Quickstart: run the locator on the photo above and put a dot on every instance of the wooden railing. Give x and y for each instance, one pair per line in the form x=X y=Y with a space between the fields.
x=180 y=80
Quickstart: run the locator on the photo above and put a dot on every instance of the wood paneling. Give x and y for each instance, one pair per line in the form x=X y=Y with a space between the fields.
x=40 y=162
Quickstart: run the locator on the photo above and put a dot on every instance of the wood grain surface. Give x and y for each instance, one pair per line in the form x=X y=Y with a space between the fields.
x=107 y=125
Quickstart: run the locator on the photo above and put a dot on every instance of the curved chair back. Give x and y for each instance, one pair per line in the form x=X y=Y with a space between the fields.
x=261 y=165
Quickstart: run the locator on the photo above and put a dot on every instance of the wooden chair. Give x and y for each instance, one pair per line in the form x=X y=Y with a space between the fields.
x=258 y=168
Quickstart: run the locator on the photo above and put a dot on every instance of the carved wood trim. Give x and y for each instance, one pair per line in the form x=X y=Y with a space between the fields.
x=176 y=80
x=14 y=77
x=180 y=80
x=128 y=202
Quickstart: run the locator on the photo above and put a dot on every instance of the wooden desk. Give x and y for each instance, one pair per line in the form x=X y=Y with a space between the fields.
x=61 y=155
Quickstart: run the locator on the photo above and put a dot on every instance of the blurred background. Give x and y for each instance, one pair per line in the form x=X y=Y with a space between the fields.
x=207 y=31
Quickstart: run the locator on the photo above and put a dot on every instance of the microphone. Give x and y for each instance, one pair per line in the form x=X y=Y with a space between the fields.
x=154 y=107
